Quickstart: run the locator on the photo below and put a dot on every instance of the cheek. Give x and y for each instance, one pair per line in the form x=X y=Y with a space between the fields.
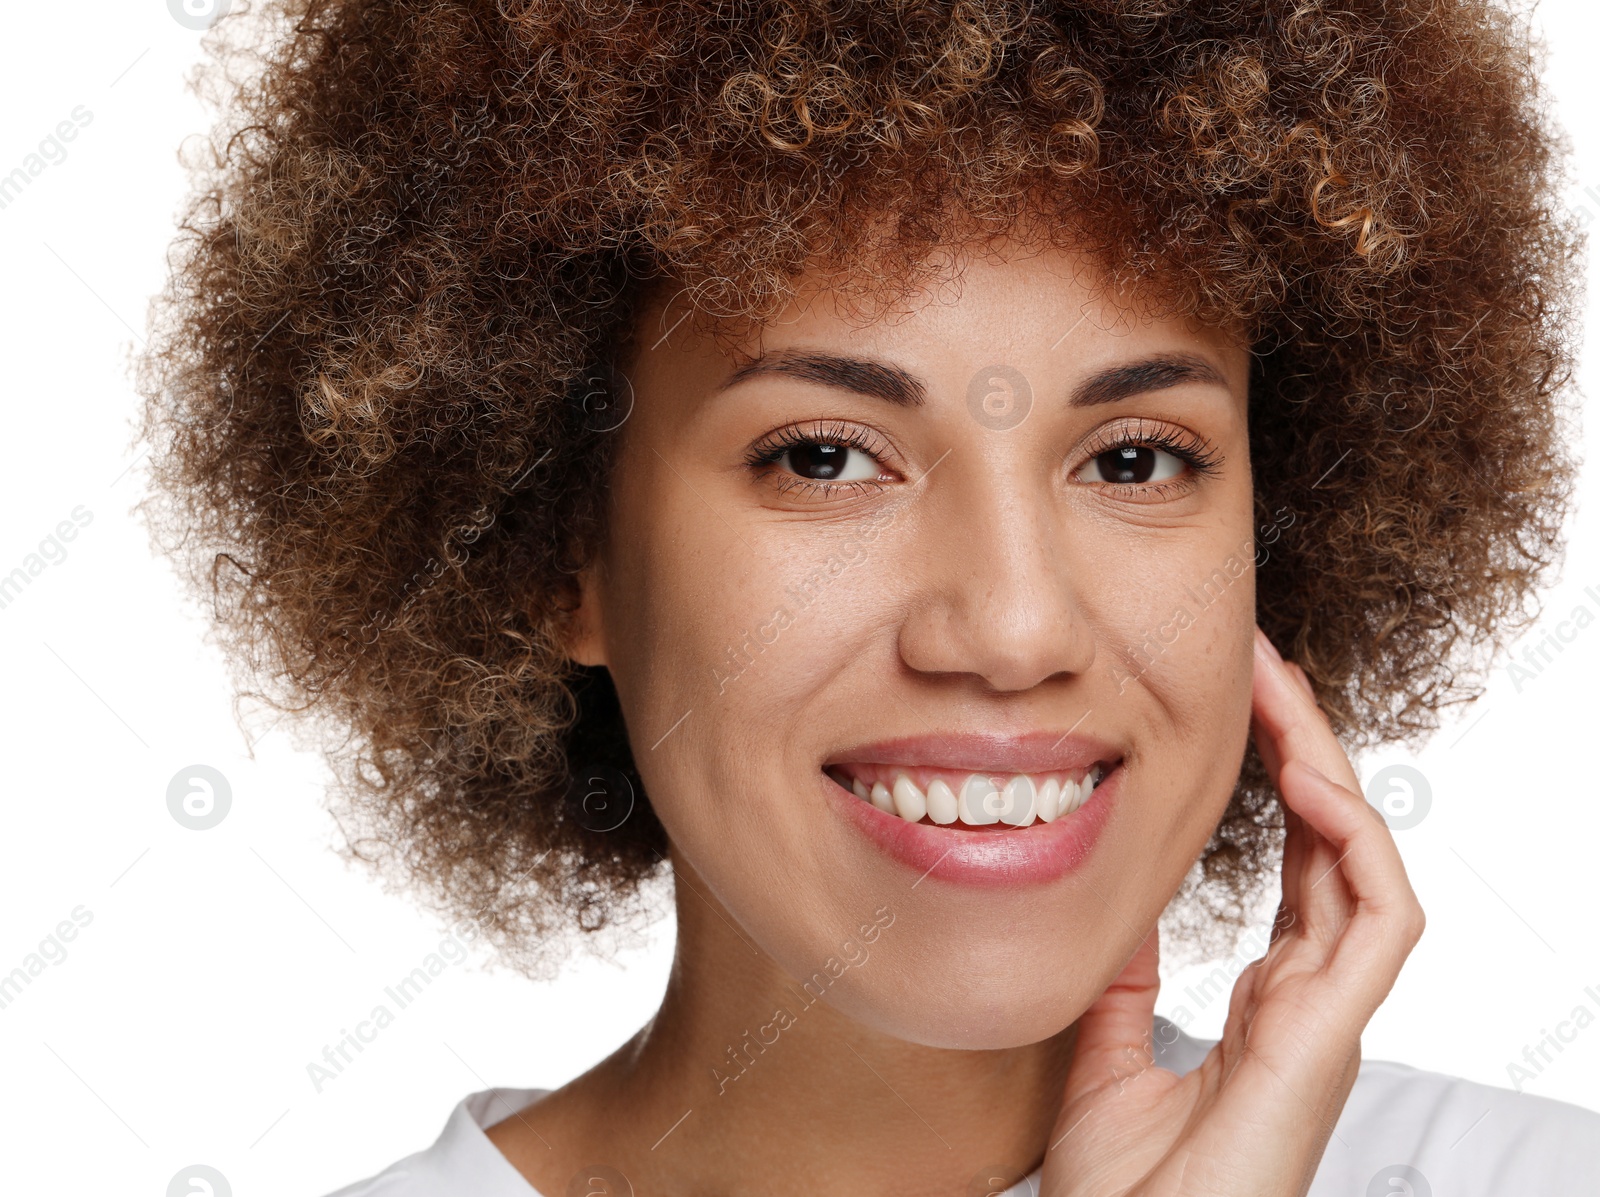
x=741 y=636
x=735 y=654
x=1183 y=664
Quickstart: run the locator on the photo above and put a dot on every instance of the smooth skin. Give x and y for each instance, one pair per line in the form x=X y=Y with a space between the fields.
x=1256 y=1115
x=962 y=573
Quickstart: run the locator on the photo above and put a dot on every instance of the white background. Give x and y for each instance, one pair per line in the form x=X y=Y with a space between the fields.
x=218 y=964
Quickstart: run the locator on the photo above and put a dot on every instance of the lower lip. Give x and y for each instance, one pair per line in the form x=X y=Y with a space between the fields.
x=1031 y=855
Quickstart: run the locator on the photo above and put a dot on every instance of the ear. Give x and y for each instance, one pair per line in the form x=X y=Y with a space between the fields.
x=584 y=633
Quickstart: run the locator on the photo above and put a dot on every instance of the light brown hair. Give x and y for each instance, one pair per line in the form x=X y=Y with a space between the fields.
x=380 y=382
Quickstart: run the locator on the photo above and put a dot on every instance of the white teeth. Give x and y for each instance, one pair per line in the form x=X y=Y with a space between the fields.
x=882 y=799
x=978 y=808
x=1017 y=801
x=908 y=800
x=942 y=805
x=1050 y=800
x=981 y=800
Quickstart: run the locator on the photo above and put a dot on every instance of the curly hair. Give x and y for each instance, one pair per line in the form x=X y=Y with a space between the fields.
x=382 y=375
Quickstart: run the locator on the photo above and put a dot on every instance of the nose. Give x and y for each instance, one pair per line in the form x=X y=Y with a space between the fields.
x=998 y=599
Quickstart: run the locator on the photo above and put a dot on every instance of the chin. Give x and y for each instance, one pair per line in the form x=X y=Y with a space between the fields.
x=1004 y=1009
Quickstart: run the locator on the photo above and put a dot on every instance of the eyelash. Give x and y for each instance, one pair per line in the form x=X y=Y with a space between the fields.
x=1196 y=452
x=1199 y=454
x=769 y=450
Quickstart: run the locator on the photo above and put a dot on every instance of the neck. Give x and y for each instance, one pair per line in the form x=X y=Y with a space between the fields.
x=748 y=1080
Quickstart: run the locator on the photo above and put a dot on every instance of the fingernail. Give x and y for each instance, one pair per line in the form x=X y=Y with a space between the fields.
x=1267 y=644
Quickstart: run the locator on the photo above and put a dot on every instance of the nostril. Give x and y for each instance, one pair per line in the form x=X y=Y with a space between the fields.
x=1009 y=638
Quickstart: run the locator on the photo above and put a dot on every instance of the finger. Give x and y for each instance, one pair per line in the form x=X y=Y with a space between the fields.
x=1295 y=846
x=1286 y=720
x=1384 y=919
x=1299 y=675
x=1113 y=1036
x=1289 y=725
x=1321 y=901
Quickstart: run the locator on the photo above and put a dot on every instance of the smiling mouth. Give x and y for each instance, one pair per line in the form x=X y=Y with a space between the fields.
x=966 y=801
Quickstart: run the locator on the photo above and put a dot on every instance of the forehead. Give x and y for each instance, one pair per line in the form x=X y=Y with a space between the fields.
x=1048 y=308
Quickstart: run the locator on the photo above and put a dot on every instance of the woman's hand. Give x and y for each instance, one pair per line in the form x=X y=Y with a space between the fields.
x=1254 y=1118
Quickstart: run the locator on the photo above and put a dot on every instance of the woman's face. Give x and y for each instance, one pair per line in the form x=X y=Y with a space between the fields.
x=999 y=547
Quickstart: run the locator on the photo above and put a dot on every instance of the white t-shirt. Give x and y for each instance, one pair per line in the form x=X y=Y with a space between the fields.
x=1403 y=1133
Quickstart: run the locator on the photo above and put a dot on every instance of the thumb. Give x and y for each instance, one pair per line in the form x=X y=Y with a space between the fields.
x=1113 y=1037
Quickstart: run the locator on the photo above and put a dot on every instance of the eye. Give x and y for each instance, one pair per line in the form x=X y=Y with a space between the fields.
x=822 y=461
x=1146 y=460
x=1136 y=464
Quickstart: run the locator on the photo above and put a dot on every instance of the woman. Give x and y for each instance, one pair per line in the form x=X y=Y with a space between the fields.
x=840 y=457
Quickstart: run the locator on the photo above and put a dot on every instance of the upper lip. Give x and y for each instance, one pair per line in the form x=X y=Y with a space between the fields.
x=1028 y=752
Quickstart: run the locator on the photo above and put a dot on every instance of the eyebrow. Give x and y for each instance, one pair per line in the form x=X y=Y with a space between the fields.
x=864 y=377
x=893 y=385
x=1154 y=373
